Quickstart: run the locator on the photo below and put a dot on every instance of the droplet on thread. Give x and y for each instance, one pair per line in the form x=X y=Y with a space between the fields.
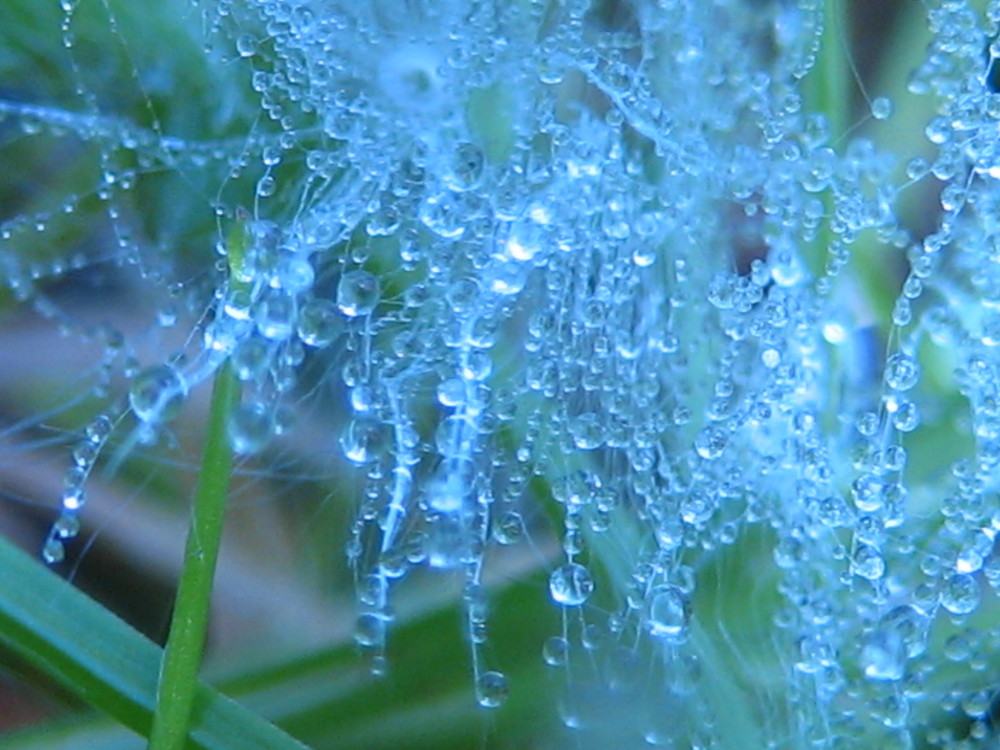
x=571 y=585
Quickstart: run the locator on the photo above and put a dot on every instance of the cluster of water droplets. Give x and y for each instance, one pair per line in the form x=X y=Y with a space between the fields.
x=599 y=263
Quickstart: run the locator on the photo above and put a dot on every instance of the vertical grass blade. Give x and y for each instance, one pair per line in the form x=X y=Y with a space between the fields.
x=186 y=642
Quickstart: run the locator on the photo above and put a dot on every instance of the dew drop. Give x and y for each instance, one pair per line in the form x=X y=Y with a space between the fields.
x=961 y=594
x=157 y=393
x=246 y=45
x=53 y=552
x=491 y=689
x=509 y=528
x=901 y=372
x=67 y=526
x=711 y=442
x=883 y=655
x=571 y=585
x=250 y=427
x=318 y=323
x=667 y=613
x=881 y=108
x=464 y=167
x=357 y=293
x=555 y=651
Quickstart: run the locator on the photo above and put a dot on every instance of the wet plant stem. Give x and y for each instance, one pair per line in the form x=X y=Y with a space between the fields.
x=182 y=656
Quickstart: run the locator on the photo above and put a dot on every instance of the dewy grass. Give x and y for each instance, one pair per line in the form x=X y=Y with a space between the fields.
x=183 y=653
x=625 y=266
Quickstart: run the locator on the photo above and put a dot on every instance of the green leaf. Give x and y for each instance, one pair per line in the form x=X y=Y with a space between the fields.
x=105 y=662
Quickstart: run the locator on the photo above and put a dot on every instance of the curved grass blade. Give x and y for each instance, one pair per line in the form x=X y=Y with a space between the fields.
x=105 y=662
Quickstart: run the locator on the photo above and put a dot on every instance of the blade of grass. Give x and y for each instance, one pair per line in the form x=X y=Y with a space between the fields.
x=328 y=697
x=186 y=642
x=107 y=663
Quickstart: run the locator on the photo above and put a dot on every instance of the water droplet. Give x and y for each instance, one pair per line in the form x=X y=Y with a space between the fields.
x=157 y=393
x=250 y=427
x=266 y=186
x=667 y=613
x=358 y=293
x=369 y=630
x=246 y=45
x=960 y=595
x=868 y=562
x=901 y=372
x=711 y=442
x=555 y=651
x=448 y=543
x=443 y=215
x=276 y=315
x=509 y=528
x=53 y=552
x=571 y=585
x=319 y=323
x=464 y=168
x=881 y=108
x=361 y=440
x=587 y=432
x=491 y=689
x=66 y=526
x=883 y=655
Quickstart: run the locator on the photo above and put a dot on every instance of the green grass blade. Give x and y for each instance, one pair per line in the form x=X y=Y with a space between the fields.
x=186 y=642
x=105 y=662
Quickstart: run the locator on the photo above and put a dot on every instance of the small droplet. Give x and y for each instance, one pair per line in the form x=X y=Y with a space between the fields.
x=881 y=108
x=157 y=393
x=555 y=651
x=711 y=442
x=509 y=528
x=883 y=655
x=369 y=630
x=464 y=168
x=246 y=45
x=667 y=613
x=250 y=427
x=491 y=689
x=318 y=323
x=868 y=563
x=53 y=552
x=67 y=526
x=901 y=372
x=961 y=594
x=357 y=293
x=571 y=585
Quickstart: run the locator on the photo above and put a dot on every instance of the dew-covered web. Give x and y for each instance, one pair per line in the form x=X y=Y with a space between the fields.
x=603 y=279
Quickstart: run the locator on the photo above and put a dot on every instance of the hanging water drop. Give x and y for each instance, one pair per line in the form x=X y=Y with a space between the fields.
x=358 y=293
x=491 y=689
x=571 y=585
x=667 y=613
x=250 y=427
x=157 y=393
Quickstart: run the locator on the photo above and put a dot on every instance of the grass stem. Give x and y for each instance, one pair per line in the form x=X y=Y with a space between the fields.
x=185 y=644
